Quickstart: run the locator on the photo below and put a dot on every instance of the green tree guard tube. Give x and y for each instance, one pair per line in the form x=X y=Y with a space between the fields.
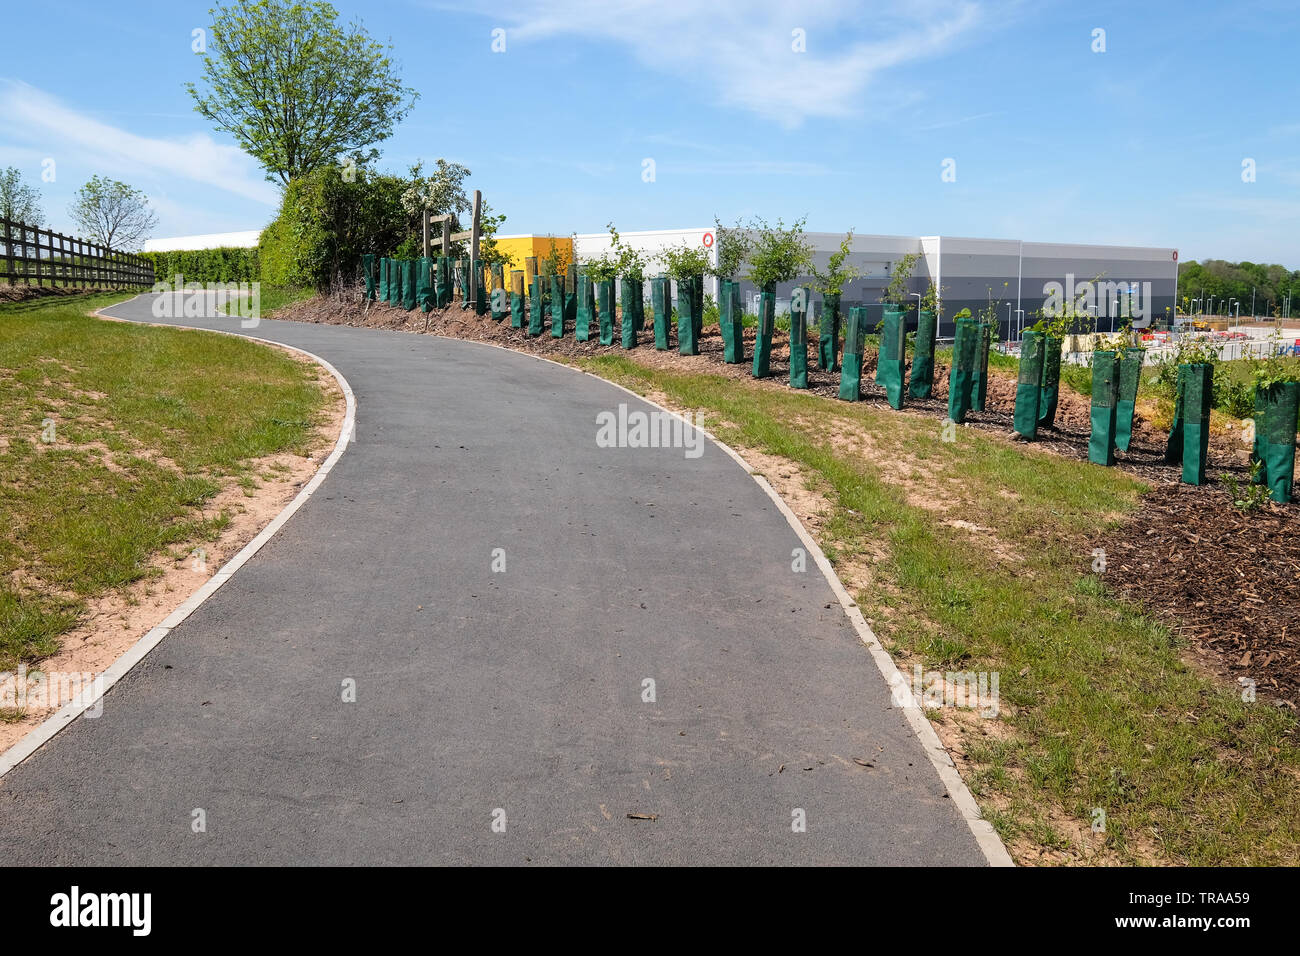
x=570 y=304
x=799 y=341
x=516 y=310
x=1105 y=393
x=557 y=306
x=1051 y=390
x=687 y=342
x=445 y=285
x=961 y=377
x=851 y=370
x=828 y=334
x=638 y=305
x=497 y=296
x=697 y=308
x=893 y=345
x=394 y=282
x=661 y=310
x=725 y=292
x=1277 y=445
x=1257 y=448
x=763 y=336
x=1029 y=385
x=1197 y=402
x=921 y=384
x=736 y=320
x=1174 y=446
x=981 y=387
x=383 y=279
x=480 y=288
x=466 y=290
x=408 y=284
x=424 y=284
x=536 y=306
x=605 y=306
x=368 y=273
x=627 y=292
x=1130 y=374
x=586 y=305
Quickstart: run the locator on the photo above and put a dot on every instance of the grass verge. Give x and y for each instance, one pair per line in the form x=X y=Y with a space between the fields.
x=970 y=555
x=111 y=436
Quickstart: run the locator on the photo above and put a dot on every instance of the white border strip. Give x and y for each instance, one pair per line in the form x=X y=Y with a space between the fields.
x=38 y=736
x=990 y=844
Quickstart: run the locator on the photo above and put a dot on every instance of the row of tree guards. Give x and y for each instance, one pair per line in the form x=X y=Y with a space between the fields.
x=572 y=300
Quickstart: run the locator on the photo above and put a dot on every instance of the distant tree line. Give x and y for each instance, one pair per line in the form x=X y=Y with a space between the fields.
x=1222 y=281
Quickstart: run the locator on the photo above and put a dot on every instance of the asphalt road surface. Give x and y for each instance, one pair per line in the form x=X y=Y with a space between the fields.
x=487 y=697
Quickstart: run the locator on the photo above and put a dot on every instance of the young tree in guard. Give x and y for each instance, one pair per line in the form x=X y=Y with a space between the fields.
x=779 y=254
x=466 y=290
x=1105 y=396
x=1130 y=375
x=893 y=341
x=1174 y=444
x=831 y=285
x=605 y=307
x=536 y=306
x=586 y=306
x=965 y=359
x=921 y=381
x=409 y=284
x=497 y=294
x=661 y=307
x=628 y=325
x=383 y=279
x=889 y=365
x=799 y=299
x=687 y=343
x=424 y=284
x=395 y=282
x=368 y=273
x=557 y=306
x=686 y=265
x=981 y=389
x=851 y=372
x=1051 y=390
x=731 y=316
x=1029 y=385
x=1278 y=441
x=1198 y=399
x=571 y=294
x=763 y=334
x=480 y=288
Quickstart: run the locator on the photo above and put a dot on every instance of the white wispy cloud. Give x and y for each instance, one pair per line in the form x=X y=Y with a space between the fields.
x=43 y=122
x=740 y=51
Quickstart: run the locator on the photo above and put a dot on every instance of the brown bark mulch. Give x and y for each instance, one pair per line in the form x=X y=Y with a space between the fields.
x=1228 y=582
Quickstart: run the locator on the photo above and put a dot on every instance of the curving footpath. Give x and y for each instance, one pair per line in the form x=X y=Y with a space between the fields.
x=484 y=696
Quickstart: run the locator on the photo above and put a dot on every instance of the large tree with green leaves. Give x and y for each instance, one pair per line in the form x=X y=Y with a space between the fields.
x=297 y=90
x=113 y=214
x=19 y=202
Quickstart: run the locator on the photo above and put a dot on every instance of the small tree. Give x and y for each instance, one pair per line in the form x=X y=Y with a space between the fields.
x=685 y=261
x=837 y=274
x=779 y=254
x=732 y=248
x=489 y=253
x=295 y=89
x=113 y=213
x=18 y=201
x=896 y=292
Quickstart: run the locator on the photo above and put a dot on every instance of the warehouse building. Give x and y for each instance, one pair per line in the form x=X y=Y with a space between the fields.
x=1022 y=277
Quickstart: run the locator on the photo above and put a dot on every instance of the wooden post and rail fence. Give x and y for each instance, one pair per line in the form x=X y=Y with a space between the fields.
x=41 y=257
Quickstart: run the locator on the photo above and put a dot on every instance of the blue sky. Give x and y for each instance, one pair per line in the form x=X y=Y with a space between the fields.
x=1142 y=144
